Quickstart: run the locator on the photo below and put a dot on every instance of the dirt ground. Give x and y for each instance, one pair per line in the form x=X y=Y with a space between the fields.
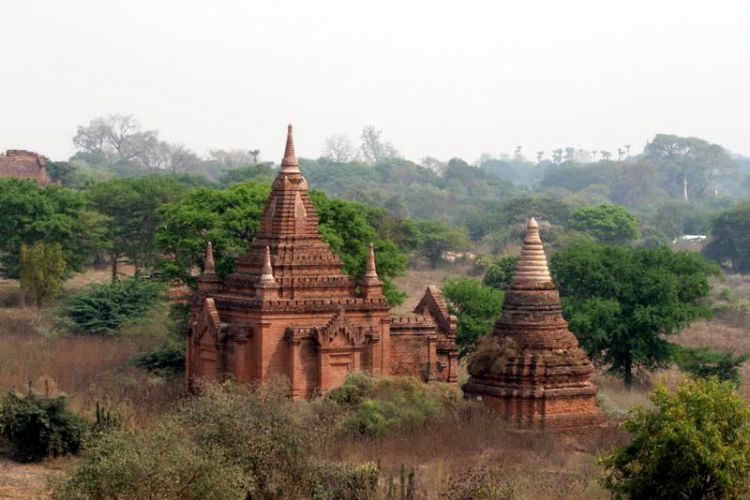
x=21 y=481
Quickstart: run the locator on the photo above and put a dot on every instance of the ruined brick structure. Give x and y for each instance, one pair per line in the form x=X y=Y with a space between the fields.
x=544 y=382
x=290 y=310
x=24 y=165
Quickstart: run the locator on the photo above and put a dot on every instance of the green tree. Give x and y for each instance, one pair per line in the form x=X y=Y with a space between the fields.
x=730 y=238
x=52 y=214
x=702 y=362
x=230 y=219
x=132 y=207
x=345 y=228
x=103 y=307
x=694 y=444
x=500 y=273
x=691 y=163
x=621 y=302
x=432 y=239
x=477 y=307
x=259 y=172
x=42 y=271
x=610 y=224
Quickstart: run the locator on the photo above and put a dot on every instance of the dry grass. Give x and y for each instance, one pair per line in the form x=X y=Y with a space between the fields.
x=444 y=456
x=89 y=368
x=416 y=282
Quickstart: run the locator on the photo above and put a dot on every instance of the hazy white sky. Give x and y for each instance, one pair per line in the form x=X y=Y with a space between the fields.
x=442 y=78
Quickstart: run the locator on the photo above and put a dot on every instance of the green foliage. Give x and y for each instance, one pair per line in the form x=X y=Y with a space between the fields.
x=51 y=214
x=258 y=431
x=610 y=224
x=387 y=405
x=701 y=362
x=42 y=271
x=477 y=306
x=727 y=294
x=695 y=444
x=675 y=218
x=500 y=273
x=730 y=238
x=345 y=228
x=103 y=307
x=168 y=360
x=156 y=462
x=228 y=219
x=262 y=173
x=431 y=239
x=334 y=481
x=620 y=302
x=40 y=426
x=132 y=208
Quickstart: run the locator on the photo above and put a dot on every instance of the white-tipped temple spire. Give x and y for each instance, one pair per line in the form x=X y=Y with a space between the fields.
x=289 y=165
x=532 y=266
x=209 y=266
x=267 y=273
x=370 y=271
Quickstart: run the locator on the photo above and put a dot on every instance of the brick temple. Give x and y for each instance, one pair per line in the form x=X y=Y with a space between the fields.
x=289 y=309
x=544 y=382
x=24 y=165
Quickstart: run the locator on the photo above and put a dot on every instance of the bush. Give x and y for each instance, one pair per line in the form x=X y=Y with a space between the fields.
x=39 y=426
x=695 y=444
x=258 y=431
x=727 y=294
x=491 y=355
x=103 y=307
x=477 y=307
x=332 y=481
x=500 y=273
x=703 y=363
x=390 y=404
x=159 y=462
x=42 y=271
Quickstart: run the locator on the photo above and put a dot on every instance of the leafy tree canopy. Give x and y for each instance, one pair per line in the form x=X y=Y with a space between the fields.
x=694 y=444
x=610 y=224
x=730 y=238
x=477 y=307
x=501 y=272
x=52 y=214
x=42 y=271
x=621 y=301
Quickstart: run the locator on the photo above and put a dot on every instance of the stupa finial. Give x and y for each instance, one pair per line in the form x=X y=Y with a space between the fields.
x=370 y=271
x=289 y=165
x=209 y=266
x=532 y=266
x=267 y=273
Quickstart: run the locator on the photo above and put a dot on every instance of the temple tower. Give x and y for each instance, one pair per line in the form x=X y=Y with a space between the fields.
x=536 y=374
x=290 y=310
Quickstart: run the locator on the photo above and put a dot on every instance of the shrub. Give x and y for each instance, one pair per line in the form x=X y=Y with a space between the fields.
x=42 y=271
x=477 y=307
x=491 y=355
x=695 y=444
x=501 y=272
x=168 y=360
x=159 y=462
x=703 y=363
x=353 y=391
x=40 y=426
x=727 y=294
x=258 y=431
x=103 y=307
x=393 y=404
x=333 y=481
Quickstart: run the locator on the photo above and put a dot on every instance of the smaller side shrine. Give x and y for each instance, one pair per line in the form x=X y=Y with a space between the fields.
x=538 y=376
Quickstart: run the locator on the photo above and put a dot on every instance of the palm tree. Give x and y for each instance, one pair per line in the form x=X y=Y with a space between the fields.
x=539 y=156
x=254 y=153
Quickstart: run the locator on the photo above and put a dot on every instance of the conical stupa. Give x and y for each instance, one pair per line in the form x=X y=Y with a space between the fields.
x=532 y=369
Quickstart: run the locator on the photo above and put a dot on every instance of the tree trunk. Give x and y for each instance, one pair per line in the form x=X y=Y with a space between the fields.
x=628 y=378
x=115 y=272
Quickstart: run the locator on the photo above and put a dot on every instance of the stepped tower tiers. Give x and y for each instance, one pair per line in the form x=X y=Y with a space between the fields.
x=544 y=382
x=290 y=310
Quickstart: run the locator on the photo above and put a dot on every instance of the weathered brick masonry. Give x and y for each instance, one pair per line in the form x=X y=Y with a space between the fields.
x=545 y=382
x=24 y=165
x=290 y=310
